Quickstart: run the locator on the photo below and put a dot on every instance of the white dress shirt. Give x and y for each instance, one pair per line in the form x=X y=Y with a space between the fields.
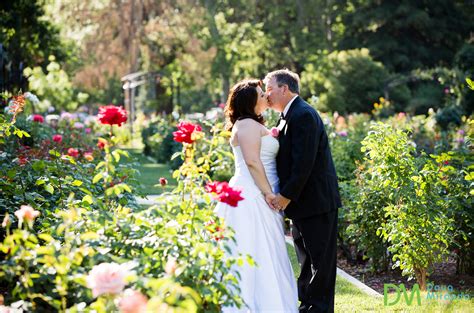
x=287 y=107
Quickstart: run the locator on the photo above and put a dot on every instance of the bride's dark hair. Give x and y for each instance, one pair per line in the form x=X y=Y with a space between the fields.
x=241 y=102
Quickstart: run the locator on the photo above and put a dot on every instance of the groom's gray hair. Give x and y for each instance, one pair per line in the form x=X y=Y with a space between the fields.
x=285 y=77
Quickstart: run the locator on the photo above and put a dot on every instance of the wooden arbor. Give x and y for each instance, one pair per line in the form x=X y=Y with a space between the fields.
x=130 y=83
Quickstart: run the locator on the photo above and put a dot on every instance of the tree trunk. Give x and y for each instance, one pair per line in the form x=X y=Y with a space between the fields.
x=420 y=274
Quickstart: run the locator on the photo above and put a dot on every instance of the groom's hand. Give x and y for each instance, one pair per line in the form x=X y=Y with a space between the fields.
x=280 y=203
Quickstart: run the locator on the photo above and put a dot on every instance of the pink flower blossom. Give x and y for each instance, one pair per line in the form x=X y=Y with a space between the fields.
x=342 y=133
x=78 y=125
x=133 y=302
x=6 y=220
x=163 y=181
x=88 y=130
x=73 y=152
x=107 y=278
x=26 y=213
x=274 y=132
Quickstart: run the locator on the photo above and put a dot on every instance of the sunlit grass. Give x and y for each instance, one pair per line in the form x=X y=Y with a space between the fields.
x=351 y=299
x=150 y=173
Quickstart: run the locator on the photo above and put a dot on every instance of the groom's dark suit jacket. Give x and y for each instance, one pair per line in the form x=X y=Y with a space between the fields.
x=304 y=164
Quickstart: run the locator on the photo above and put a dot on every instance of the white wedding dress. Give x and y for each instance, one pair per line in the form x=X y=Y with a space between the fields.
x=270 y=286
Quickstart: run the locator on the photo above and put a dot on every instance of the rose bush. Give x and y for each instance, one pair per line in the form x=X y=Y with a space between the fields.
x=89 y=240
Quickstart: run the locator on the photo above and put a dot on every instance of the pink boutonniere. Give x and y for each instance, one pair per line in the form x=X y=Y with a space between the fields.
x=274 y=132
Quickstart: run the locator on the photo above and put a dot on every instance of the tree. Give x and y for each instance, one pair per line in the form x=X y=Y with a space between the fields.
x=29 y=39
x=404 y=34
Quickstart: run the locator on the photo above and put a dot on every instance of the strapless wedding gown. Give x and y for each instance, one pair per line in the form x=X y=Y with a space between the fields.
x=270 y=286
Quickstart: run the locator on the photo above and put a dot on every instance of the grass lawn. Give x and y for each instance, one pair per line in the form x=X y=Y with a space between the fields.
x=351 y=299
x=150 y=173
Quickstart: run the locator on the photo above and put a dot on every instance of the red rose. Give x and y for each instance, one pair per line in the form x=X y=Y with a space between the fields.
x=57 y=138
x=73 y=152
x=212 y=187
x=38 y=118
x=22 y=160
x=163 y=181
x=185 y=132
x=112 y=115
x=225 y=193
x=230 y=196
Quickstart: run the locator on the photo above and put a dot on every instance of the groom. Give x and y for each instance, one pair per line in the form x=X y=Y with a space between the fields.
x=309 y=192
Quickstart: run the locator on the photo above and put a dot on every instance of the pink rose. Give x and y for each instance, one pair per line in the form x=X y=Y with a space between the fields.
x=26 y=213
x=274 y=132
x=107 y=278
x=133 y=302
x=73 y=152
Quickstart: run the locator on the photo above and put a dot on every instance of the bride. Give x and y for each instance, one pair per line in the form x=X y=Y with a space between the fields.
x=270 y=285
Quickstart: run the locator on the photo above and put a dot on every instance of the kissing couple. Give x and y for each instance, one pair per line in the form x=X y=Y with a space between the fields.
x=286 y=171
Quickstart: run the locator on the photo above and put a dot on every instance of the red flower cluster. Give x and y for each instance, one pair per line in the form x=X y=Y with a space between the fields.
x=163 y=181
x=73 y=152
x=38 y=118
x=112 y=115
x=225 y=193
x=185 y=132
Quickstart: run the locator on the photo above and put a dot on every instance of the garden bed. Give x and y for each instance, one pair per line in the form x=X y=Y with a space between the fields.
x=445 y=275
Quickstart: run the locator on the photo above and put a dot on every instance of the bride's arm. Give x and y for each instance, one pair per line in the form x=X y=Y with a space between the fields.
x=249 y=138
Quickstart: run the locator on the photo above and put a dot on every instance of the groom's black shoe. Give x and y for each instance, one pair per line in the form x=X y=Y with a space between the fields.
x=303 y=308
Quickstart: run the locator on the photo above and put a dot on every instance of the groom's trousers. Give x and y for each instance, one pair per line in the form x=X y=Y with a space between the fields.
x=315 y=241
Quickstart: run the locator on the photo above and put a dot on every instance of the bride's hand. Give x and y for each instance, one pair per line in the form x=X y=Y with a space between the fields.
x=269 y=197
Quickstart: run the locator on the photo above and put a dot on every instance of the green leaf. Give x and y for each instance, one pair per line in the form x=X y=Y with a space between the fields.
x=49 y=188
x=470 y=83
x=87 y=199
x=175 y=155
x=46 y=237
x=89 y=236
x=76 y=183
x=38 y=165
x=54 y=153
x=116 y=156
x=97 y=178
